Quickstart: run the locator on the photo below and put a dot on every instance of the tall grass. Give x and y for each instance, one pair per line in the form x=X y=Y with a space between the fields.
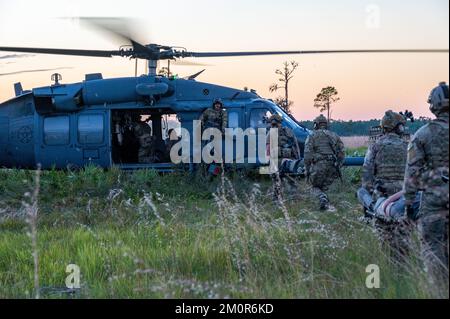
x=144 y=235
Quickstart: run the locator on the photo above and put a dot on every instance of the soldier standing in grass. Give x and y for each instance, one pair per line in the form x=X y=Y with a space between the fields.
x=324 y=157
x=383 y=176
x=287 y=150
x=215 y=117
x=427 y=170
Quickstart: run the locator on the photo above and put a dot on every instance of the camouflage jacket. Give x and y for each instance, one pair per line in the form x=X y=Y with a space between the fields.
x=427 y=164
x=212 y=118
x=324 y=145
x=287 y=144
x=143 y=132
x=384 y=165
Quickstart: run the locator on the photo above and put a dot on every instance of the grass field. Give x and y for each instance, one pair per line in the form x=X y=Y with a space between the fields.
x=355 y=142
x=144 y=235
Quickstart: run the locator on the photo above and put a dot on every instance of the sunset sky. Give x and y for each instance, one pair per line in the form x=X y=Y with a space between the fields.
x=368 y=84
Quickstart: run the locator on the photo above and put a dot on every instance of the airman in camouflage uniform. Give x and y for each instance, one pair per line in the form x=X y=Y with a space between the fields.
x=287 y=150
x=215 y=117
x=143 y=133
x=324 y=157
x=427 y=170
x=383 y=176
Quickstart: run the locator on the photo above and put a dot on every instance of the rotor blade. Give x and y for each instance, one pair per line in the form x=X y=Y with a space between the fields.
x=235 y=54
x=120 y=28
x=188 y=63
x=89 y=53
x=15 y=56
x=34 y=71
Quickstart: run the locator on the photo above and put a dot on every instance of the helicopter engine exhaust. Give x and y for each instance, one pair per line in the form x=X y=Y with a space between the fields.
x=73 y=97
x=121 y=90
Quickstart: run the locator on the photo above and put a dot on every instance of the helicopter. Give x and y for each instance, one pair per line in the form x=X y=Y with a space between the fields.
x=78 y=124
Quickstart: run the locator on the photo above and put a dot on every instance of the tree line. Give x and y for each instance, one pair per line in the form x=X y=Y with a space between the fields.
x=325 y=101
x=361 y=128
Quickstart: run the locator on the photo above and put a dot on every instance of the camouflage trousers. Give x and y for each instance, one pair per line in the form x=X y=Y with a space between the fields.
x=396 y=237
x=281 y=180
x=277 y=188
x=433 y=228
x=321 y=175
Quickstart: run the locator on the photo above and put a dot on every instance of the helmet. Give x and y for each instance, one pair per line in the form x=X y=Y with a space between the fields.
x=217 y=101
x=439 y=99
x=276 y=118
x=391 y=120
x=320 y=120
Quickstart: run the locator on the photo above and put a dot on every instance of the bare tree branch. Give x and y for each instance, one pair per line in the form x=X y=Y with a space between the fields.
x=287 y=75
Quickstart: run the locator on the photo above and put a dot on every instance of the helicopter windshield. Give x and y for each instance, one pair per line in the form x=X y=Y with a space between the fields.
x=292 y=122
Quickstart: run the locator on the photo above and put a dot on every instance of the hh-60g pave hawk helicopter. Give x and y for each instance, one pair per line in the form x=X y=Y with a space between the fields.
x=65 y=125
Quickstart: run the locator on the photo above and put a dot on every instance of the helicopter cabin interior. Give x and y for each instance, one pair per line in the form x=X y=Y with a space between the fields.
x=125 y=143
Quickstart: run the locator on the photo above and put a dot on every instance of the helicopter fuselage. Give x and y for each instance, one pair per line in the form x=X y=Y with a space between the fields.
x=74 y=125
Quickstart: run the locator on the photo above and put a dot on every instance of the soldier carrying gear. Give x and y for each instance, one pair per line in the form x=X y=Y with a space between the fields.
x=427 y=171
x=287 y=151
x=143 y=134
x=385 y=162
x=393 y=122
x=287 y=144
x=215 y=117
x=383 y=176
x=324 y=157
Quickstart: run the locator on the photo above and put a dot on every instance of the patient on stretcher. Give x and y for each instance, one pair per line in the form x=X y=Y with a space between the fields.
x=387 y=208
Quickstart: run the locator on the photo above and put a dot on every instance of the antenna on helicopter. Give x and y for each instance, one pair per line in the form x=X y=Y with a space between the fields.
x=56 y=77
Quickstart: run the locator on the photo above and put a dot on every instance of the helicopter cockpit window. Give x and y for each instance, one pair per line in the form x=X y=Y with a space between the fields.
x=259 y=117
x=233 y=119
x=90 y=129
x=56 y=130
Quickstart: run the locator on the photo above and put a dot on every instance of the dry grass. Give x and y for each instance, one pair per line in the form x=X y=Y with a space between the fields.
x=355 y=141
x=145 y=235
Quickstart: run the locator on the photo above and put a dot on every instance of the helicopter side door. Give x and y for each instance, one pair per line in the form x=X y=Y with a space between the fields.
x=55 y=141
x=92 y=138
x=74 y=140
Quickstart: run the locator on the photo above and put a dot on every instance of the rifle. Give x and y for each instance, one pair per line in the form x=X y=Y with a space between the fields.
x=335 y=159
x=338 y=169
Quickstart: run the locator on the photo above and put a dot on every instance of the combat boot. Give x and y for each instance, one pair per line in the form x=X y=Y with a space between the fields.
x=324 y=202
